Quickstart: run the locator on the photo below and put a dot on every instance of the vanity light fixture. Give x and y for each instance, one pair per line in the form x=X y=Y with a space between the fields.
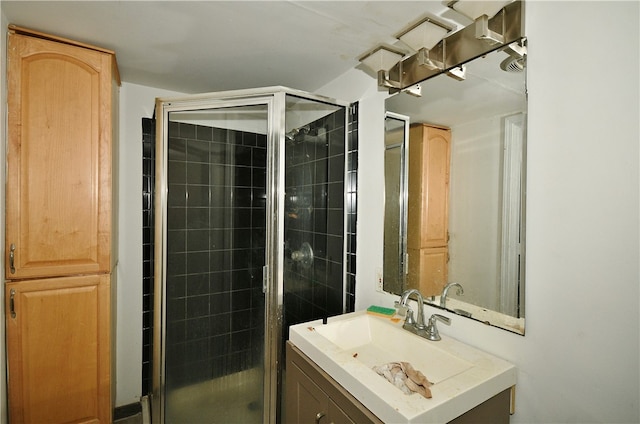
x=439 y=49
x=380 y=60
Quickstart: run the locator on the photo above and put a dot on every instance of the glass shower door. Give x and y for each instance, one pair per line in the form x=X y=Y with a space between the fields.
x=216 y=236
x=314 y=210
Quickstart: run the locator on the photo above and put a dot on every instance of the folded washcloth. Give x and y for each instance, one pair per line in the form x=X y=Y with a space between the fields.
x=405 y=377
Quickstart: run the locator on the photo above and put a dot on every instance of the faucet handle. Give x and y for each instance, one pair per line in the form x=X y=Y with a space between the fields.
x=446 y=320
x=432 y=332
x=402 y=309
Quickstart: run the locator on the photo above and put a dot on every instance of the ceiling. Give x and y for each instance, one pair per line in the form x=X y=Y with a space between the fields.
x=205 y=46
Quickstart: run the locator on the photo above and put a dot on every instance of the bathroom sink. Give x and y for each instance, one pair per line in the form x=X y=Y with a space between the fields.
x=375 y=343
x=350 y=345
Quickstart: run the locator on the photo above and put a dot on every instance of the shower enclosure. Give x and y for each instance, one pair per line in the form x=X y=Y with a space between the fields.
x=250 y=238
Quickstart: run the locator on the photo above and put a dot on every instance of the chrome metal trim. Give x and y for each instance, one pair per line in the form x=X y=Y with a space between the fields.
x=274 y=253
x=404 y=200
x=157 y=404
x=203 y=98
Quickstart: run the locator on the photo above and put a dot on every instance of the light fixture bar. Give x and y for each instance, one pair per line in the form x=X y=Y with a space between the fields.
x=431 y=59
x=492 y=30
x=461 y=46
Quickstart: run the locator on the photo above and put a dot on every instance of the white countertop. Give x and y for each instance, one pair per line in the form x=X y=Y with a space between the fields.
x=349 y=345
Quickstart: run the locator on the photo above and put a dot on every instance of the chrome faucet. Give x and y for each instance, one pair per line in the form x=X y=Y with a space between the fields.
x=409 y=323
x=428 y=331
x=445 y=291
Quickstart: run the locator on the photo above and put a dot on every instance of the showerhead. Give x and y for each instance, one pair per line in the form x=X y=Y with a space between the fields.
x=306 y=134
x=295 y=134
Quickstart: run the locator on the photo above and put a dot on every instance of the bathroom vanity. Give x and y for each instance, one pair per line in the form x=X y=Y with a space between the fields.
x=329 y=376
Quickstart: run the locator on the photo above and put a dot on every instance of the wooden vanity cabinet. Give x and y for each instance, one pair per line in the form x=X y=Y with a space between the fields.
x=428 y=208
x=312 y=396
x=60 y=222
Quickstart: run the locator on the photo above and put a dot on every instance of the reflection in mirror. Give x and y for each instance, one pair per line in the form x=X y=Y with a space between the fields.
x=395 y=212
x=486 y=115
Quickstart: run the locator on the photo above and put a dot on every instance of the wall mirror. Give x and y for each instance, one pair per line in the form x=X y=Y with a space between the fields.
x=481 y=208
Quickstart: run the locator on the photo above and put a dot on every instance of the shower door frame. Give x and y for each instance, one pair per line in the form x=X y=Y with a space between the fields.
x=273 y=273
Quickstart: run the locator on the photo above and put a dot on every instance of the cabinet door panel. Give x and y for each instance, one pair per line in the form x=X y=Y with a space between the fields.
x=428 y=270
x=58 y=350
x=306 y=399
x=428 y=212
x=58 y=159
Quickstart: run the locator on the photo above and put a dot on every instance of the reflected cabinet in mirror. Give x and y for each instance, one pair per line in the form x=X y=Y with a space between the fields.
x=465 y=192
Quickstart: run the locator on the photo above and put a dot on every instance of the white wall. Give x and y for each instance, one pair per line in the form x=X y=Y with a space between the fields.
x=136 y=102
x=579 y=359
x=475 y=210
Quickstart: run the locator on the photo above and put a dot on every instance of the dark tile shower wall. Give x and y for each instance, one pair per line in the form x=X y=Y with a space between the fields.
x=315 y=213
x=216 y=250
x=148 y=186
x=352 y=205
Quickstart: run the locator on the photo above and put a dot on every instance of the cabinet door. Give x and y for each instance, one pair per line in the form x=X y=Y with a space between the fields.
x=58 y=347
x=428 y=212
x=58 y=159
x=307 y=403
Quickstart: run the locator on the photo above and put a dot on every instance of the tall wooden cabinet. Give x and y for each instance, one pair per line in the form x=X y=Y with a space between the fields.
x=428 y=211
x=60 y=220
